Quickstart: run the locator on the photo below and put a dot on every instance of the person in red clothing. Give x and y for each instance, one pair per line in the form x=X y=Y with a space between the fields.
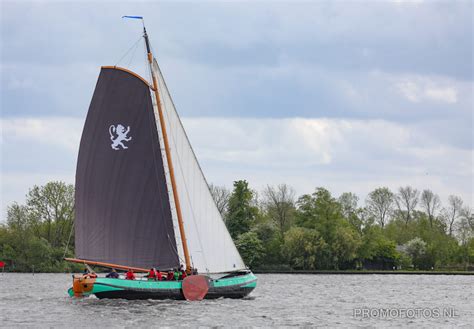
x=158 y=275
x=130 y=275
x=152 y=274
x=170 y=276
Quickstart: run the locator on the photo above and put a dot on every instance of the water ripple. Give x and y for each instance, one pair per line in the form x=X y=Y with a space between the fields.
x=279 y=300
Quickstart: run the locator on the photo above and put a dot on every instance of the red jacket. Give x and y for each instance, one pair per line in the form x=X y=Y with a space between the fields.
x=130 y=275
x=152 y=274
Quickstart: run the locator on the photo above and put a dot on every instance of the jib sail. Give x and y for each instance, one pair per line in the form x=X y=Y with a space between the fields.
x=210 y=244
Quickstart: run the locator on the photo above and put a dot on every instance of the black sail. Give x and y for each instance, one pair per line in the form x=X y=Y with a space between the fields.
x=123 y=213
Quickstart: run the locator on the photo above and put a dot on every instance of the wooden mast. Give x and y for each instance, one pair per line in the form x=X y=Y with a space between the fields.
x=168 y=154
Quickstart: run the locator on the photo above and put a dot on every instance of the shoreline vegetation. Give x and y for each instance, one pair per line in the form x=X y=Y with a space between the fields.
x=390 y=232
x=314 y=272
x=362 y=272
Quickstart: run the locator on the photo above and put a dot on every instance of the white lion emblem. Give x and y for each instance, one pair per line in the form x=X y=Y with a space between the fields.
x=121 y=134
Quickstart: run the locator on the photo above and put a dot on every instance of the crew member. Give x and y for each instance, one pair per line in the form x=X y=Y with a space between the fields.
x=152 y=274
x=176 y=275
x=113 y=274
x=182 y=274
x=130 y=275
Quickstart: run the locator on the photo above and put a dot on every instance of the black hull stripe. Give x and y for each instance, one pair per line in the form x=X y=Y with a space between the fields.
x=173 y=294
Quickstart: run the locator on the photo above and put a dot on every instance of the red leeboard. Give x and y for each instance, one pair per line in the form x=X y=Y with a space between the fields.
x=195 y=287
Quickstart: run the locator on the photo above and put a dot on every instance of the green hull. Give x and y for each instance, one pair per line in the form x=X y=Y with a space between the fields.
x=237 y=286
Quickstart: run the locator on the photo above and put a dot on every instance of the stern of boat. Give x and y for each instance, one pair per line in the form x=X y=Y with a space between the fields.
x=82 y=285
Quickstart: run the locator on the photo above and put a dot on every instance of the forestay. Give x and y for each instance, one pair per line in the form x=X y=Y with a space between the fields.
x=210 y=244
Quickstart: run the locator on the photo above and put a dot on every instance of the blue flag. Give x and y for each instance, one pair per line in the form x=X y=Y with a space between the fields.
x=135 y=17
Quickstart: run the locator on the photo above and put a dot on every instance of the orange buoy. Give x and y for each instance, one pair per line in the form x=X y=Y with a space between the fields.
x=195 y=287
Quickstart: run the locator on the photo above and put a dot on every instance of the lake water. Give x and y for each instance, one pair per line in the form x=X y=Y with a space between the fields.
x=279 y=300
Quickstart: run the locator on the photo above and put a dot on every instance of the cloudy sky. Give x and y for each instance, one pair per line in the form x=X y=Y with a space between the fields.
x=348 y=95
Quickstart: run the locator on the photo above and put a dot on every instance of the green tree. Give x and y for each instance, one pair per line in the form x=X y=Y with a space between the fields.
x=35 y=234
x=321 y=212
x=376 y=250
x=52 y=205
x=344 y=247
x=272 y=243
x=241 y=212
x=348 y=202
x=350 y=211
x=250 y=248
x=416 y=249
x=304 y=248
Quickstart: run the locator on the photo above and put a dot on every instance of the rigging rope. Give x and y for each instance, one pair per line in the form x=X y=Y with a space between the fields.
x=129 y=49
x=133 y=54
x=69 y=239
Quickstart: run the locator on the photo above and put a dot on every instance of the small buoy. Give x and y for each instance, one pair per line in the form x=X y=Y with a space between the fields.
x=195 y=287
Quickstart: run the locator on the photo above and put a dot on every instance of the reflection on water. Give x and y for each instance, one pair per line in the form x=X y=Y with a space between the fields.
x=279 y=300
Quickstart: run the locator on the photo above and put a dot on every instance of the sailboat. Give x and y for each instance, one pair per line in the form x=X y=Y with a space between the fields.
x=142 y=200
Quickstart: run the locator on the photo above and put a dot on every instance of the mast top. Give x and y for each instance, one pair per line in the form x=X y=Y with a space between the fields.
x=145 y=35
x=147 y=42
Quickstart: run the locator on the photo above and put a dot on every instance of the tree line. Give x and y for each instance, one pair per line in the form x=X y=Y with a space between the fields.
x=37 y=235
x=405 y=229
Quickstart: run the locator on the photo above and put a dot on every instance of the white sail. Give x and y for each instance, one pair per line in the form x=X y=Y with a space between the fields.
x=210 y=245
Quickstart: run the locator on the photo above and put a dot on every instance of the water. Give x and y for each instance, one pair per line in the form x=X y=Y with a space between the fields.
x=279 y=300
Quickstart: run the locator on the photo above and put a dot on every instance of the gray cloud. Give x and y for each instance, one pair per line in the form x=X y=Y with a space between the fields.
x=56 y=46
